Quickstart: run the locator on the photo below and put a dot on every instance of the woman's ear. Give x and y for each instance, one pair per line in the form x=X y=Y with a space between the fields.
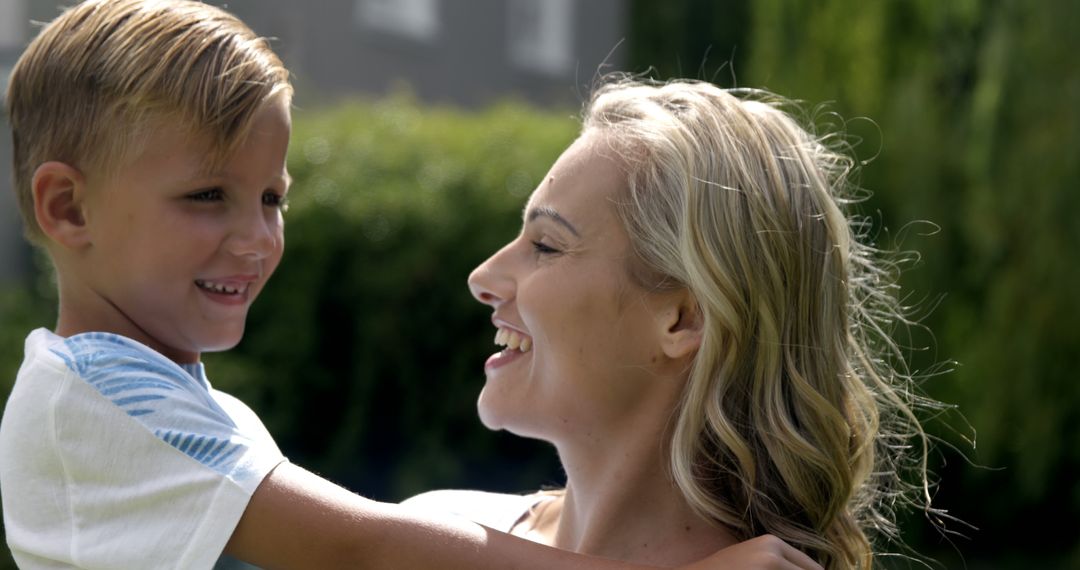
x=59 y=190
x=683 y=325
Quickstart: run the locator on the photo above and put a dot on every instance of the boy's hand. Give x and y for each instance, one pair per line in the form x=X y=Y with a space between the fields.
x=765 y=552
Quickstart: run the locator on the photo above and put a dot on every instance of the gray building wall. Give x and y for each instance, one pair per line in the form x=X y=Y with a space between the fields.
x=470 y=54
x=468 y=60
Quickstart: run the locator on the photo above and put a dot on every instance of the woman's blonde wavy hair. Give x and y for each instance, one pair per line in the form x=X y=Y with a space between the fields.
x=797 y=419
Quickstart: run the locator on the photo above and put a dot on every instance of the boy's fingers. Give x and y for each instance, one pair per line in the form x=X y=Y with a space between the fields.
x=794 y=556
x=765 y=552
x=799 y=558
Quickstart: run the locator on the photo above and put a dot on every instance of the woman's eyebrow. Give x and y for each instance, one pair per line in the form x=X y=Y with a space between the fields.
x=536 y=212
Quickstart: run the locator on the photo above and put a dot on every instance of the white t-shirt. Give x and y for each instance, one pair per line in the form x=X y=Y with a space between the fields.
x=494 y=510
x=113 y=456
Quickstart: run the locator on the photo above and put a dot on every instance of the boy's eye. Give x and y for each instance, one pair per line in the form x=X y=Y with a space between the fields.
x=275 y=200
x=208 y=195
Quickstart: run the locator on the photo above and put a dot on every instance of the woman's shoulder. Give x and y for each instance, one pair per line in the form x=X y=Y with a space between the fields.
x=500 y=511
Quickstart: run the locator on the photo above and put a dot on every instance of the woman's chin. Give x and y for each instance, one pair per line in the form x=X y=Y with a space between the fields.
x=496 y=417
x=490 y=422
x=488 y=414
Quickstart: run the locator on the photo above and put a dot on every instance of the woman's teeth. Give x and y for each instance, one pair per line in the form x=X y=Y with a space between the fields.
x=220 y=287
x=513 y=340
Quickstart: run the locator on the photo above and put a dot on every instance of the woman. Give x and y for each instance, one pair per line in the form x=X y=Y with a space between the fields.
x=690 y=319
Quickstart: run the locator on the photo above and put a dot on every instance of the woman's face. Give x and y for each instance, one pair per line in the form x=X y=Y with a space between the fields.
x=581 y=338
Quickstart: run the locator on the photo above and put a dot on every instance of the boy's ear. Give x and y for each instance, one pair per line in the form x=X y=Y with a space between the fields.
x=683 y=325
x=59 y=190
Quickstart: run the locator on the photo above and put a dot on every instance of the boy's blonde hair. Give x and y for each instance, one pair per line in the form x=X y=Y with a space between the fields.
x=104 y=72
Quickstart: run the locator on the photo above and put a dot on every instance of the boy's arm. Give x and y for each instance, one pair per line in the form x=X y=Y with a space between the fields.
x=298 y=520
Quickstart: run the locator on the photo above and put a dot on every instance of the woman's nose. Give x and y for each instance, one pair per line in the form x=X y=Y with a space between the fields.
x=491 y=283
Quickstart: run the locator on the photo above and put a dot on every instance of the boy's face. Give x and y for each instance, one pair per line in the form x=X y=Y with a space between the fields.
x=177 y=254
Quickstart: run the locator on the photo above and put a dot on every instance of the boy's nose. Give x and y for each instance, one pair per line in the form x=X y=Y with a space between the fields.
x=255 y=234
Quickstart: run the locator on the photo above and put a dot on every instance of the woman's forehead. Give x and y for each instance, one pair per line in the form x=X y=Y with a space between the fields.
x=585 y=174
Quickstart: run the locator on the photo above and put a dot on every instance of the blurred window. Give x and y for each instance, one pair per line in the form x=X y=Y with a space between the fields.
x=540 y=35
x=414 y=19
x=11 y=23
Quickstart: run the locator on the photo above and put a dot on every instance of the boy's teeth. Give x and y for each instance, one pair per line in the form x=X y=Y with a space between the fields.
x=513 y=340
x=219 y=287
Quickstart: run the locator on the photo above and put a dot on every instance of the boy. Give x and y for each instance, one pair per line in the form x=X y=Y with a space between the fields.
x=150 y=141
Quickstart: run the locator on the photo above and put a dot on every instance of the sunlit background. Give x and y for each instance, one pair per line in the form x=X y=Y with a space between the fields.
x=422 y=125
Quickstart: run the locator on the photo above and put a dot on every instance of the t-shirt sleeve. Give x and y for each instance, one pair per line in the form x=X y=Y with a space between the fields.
x=158 y=472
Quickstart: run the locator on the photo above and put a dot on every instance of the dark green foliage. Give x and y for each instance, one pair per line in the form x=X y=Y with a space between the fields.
x=23 y=307
x=701 y=39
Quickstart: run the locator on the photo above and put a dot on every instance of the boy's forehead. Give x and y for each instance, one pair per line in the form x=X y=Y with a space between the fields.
x=172 y=135
x=206 y=150
x=159 y=140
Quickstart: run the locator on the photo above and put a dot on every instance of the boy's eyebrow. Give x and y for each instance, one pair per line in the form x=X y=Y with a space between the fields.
x=549 y=212
x=209 y=174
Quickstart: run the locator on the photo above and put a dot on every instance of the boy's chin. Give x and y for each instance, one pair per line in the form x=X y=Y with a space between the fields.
x=219 y=347
x=222 y=342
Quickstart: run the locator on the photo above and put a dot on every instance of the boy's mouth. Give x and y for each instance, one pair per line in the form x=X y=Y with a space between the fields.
x=222 y=288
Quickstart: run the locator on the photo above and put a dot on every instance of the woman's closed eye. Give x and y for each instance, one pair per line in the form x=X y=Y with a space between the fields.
x=544 y=249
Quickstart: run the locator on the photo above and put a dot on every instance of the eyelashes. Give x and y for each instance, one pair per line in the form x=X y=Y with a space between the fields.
x=269 y=198
x=544 y=249
x=207 y=195
x=275 y=200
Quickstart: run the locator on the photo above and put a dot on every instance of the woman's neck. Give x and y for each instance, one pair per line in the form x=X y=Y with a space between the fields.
x=621 y=503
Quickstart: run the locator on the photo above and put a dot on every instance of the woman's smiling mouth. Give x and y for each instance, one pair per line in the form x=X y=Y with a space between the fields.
x=513 y=340
x=516 y=345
